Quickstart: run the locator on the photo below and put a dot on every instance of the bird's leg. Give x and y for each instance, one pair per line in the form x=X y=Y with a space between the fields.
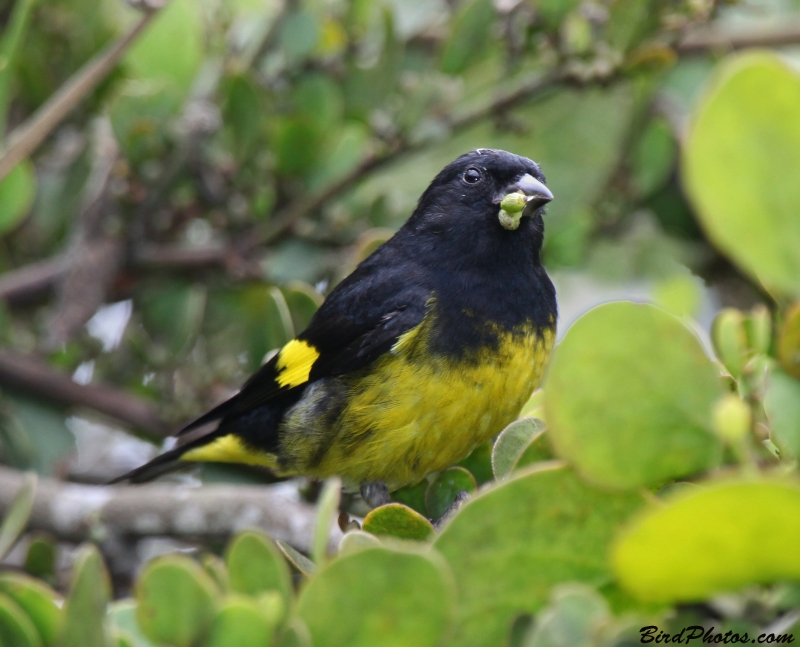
x=375 y=493
x=461 y=498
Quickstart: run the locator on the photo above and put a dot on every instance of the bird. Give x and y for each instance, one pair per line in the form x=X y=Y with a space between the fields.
x=429 y=348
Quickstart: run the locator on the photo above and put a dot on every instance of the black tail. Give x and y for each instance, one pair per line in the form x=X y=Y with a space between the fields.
x=164 y=463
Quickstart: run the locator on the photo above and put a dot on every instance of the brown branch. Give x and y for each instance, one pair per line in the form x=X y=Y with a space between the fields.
x=35 y=377
x=31 y=281
x=702 y=40
x=77 y=513
x=27 y=137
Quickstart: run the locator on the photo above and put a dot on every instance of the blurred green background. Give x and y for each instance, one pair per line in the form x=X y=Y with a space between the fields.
x=181 y=186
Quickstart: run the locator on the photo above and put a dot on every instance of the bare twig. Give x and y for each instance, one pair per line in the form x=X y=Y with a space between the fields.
x=33 y=376
x=24 y=139
x=713 y=38
x=30 y=281
x=96 y=250
x=76 y=513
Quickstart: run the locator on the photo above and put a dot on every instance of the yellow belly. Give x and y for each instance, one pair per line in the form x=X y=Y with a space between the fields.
x=417 y=413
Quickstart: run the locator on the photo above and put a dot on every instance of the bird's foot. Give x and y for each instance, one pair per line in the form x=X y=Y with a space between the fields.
x=375 y=493
x=461 y=498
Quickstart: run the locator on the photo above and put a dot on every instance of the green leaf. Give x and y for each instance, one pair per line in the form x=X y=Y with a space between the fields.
x=788 y=345
x=173 y=312
x=654 y=157
x=256 y=565
x=512 y=443
x=378 y=597
x=37 y=600
x=303 y=301
x=297 y=143
x=16 y=628
x=13 y=38
x=242 y=113
x=267 y=321
x=17 y=518
x=327 y=512
x=355 y=541
x=297 y=559
x=40 y=560
x=240 y=622
x=730 y=339
x=629 y=397
x=470 y=35
x=298 y=35
x=398 y=520
x=631 y=21
x=712 y=539
x=533 y=531
x=171 y=50
x=735 y=167
x=296 y=634
x=538 y=450
x=17 y=191
x=554 y=11
x=571 y=619
x=443 y=490
x=122 y=615
x=84 y=612
x=782 y=403
x=176 y=601
x=479 y=463
x=412 y=496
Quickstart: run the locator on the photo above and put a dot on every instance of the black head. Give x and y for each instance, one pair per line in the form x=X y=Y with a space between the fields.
x=462 y=204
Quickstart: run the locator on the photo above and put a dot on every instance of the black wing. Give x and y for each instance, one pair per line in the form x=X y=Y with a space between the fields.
x=359 y=321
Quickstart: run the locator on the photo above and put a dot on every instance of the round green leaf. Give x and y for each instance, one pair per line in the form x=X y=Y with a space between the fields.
x=444 y=489
x=17 y=191
x=172 y=47
x=16 y=628
x=84 y=612
x=479 y=463
x=122 y=615
x=629 y=397
x=713 y=539
x=40 y=560
x=398 y=520
x=36 y=599
x=782 y=403
x=255 y=565
x=176 y=601
x=737 y=162
x=294 y=635
x=512 y=443
x=413 y=496
x=240 y=622
x=357 y=540
x=522 y=537
x=378 y=597
x=539 y=449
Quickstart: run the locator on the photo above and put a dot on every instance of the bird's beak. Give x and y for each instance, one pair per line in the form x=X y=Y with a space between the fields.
x=537 y=193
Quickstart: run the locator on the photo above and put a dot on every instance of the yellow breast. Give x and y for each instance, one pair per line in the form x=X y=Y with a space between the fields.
x=417 y=412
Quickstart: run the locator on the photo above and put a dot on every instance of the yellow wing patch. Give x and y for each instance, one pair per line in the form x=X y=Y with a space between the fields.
x=229 y=449
x=294 y=363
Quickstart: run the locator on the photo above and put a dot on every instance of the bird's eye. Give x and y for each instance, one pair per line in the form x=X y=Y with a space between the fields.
x=472 y=176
